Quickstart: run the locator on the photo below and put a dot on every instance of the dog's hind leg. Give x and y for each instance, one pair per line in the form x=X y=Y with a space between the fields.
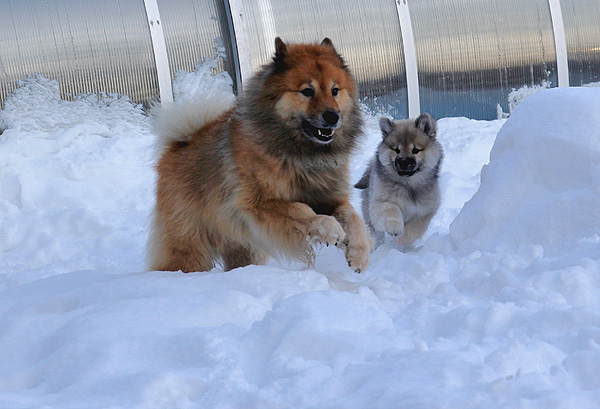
x=184 y=258
x=241 y=256
x=168 y=253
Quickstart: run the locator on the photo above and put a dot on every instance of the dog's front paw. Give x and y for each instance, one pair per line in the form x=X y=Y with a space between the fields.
x=326 y=230
x=358 y=252
x=394 y=227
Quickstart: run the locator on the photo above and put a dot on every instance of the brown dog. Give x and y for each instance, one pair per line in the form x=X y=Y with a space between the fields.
x=268 y=176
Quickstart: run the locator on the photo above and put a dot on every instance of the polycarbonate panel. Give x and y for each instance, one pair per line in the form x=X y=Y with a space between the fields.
x=367 y=34
x=473 y=53
x=582 y=29
x=194 y=31
x=88 y=46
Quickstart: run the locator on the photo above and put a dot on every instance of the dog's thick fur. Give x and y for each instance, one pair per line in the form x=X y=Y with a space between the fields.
x=401 y=185
x=268 y=177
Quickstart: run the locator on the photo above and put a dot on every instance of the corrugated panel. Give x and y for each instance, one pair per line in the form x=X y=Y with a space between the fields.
x=473 y=53
x=88 y=46
x=367 y=34
x=582 y=29
x=195 y=30
x=470 y=53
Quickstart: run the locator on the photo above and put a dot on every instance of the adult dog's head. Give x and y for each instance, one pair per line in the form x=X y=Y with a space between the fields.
x=309 y=93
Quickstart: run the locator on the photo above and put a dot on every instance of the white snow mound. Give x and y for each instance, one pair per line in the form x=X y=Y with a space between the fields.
x=542 y=185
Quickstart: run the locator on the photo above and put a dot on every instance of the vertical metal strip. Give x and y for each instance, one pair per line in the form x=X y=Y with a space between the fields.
x=410 y=59
x=234 y=48
x=560 y=43
x=241 y=41
x=160 y=51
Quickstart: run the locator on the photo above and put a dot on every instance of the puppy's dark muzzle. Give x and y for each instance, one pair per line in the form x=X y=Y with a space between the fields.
x=405 y=166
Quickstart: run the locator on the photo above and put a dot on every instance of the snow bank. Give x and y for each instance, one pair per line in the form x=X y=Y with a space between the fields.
x=76 y=182
x=486 y=314
x=542 y=185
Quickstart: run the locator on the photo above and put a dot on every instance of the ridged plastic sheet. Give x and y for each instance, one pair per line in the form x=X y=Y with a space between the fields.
x=367 y=34
x=472 y=53
x=473 y=57
x=88 y=46
x=582 y=29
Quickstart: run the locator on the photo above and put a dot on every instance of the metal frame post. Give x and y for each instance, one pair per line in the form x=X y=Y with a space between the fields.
x=159 y=47
x=410 y=59
x=560 y=43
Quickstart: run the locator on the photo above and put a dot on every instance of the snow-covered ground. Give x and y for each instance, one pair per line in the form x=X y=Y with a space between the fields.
x=499 y=307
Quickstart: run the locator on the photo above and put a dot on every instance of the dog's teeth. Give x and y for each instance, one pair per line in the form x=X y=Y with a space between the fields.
x=329 y=134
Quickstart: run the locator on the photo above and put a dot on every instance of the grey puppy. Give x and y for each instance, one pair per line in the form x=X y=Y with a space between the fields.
x=401 y=189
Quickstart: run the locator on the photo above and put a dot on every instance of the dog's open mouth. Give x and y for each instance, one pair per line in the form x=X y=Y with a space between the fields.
x=320 y=135
x=405 y=173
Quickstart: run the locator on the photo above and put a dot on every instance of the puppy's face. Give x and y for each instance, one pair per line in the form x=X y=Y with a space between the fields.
x=315 y=89
x=408 y=146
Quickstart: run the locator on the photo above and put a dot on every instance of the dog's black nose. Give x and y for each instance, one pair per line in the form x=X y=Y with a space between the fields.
x=331 y=117
x=405 y=164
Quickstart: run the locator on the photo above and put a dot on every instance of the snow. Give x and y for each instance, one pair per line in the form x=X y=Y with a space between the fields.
x=499 y=307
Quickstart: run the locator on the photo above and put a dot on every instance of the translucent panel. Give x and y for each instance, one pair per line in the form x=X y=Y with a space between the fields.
x=367 y=34
x=473 y=53
x=582 y=29
x=195 y=30
x=88 y=46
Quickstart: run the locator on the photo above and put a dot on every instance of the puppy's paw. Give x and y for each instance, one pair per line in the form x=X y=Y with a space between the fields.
x=406 y=240
x=394 y=227
x=358 y=252
x=326 y=230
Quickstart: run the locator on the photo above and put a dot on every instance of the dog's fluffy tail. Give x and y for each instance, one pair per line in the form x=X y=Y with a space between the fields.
x=363 y=183
x=178 y=121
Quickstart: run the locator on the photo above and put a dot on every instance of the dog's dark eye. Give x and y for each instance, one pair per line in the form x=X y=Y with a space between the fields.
x=416 y=150
x=397 y=150
x=335 y=92
x=308 y=92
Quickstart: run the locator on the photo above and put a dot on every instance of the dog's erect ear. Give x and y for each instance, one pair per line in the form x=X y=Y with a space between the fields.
x=426 y=124
x=280 y=47
x=280 y=54
x=327 y=43
x=386 y=126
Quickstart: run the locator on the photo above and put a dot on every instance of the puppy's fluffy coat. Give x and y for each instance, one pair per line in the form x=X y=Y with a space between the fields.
x=401 y=190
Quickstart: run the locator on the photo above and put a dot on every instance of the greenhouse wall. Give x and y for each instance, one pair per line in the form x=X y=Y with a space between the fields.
x=450 y=58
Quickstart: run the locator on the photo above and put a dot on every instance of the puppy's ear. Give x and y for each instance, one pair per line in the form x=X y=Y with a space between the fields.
x=426 y=124
x=280 y=55
x=386 y=126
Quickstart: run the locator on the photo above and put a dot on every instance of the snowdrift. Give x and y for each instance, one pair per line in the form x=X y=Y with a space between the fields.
x=542 y=185
x=498 y=309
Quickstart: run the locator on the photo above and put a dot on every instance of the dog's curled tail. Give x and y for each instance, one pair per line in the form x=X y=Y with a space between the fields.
x=178 y=121
x=363 y=183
